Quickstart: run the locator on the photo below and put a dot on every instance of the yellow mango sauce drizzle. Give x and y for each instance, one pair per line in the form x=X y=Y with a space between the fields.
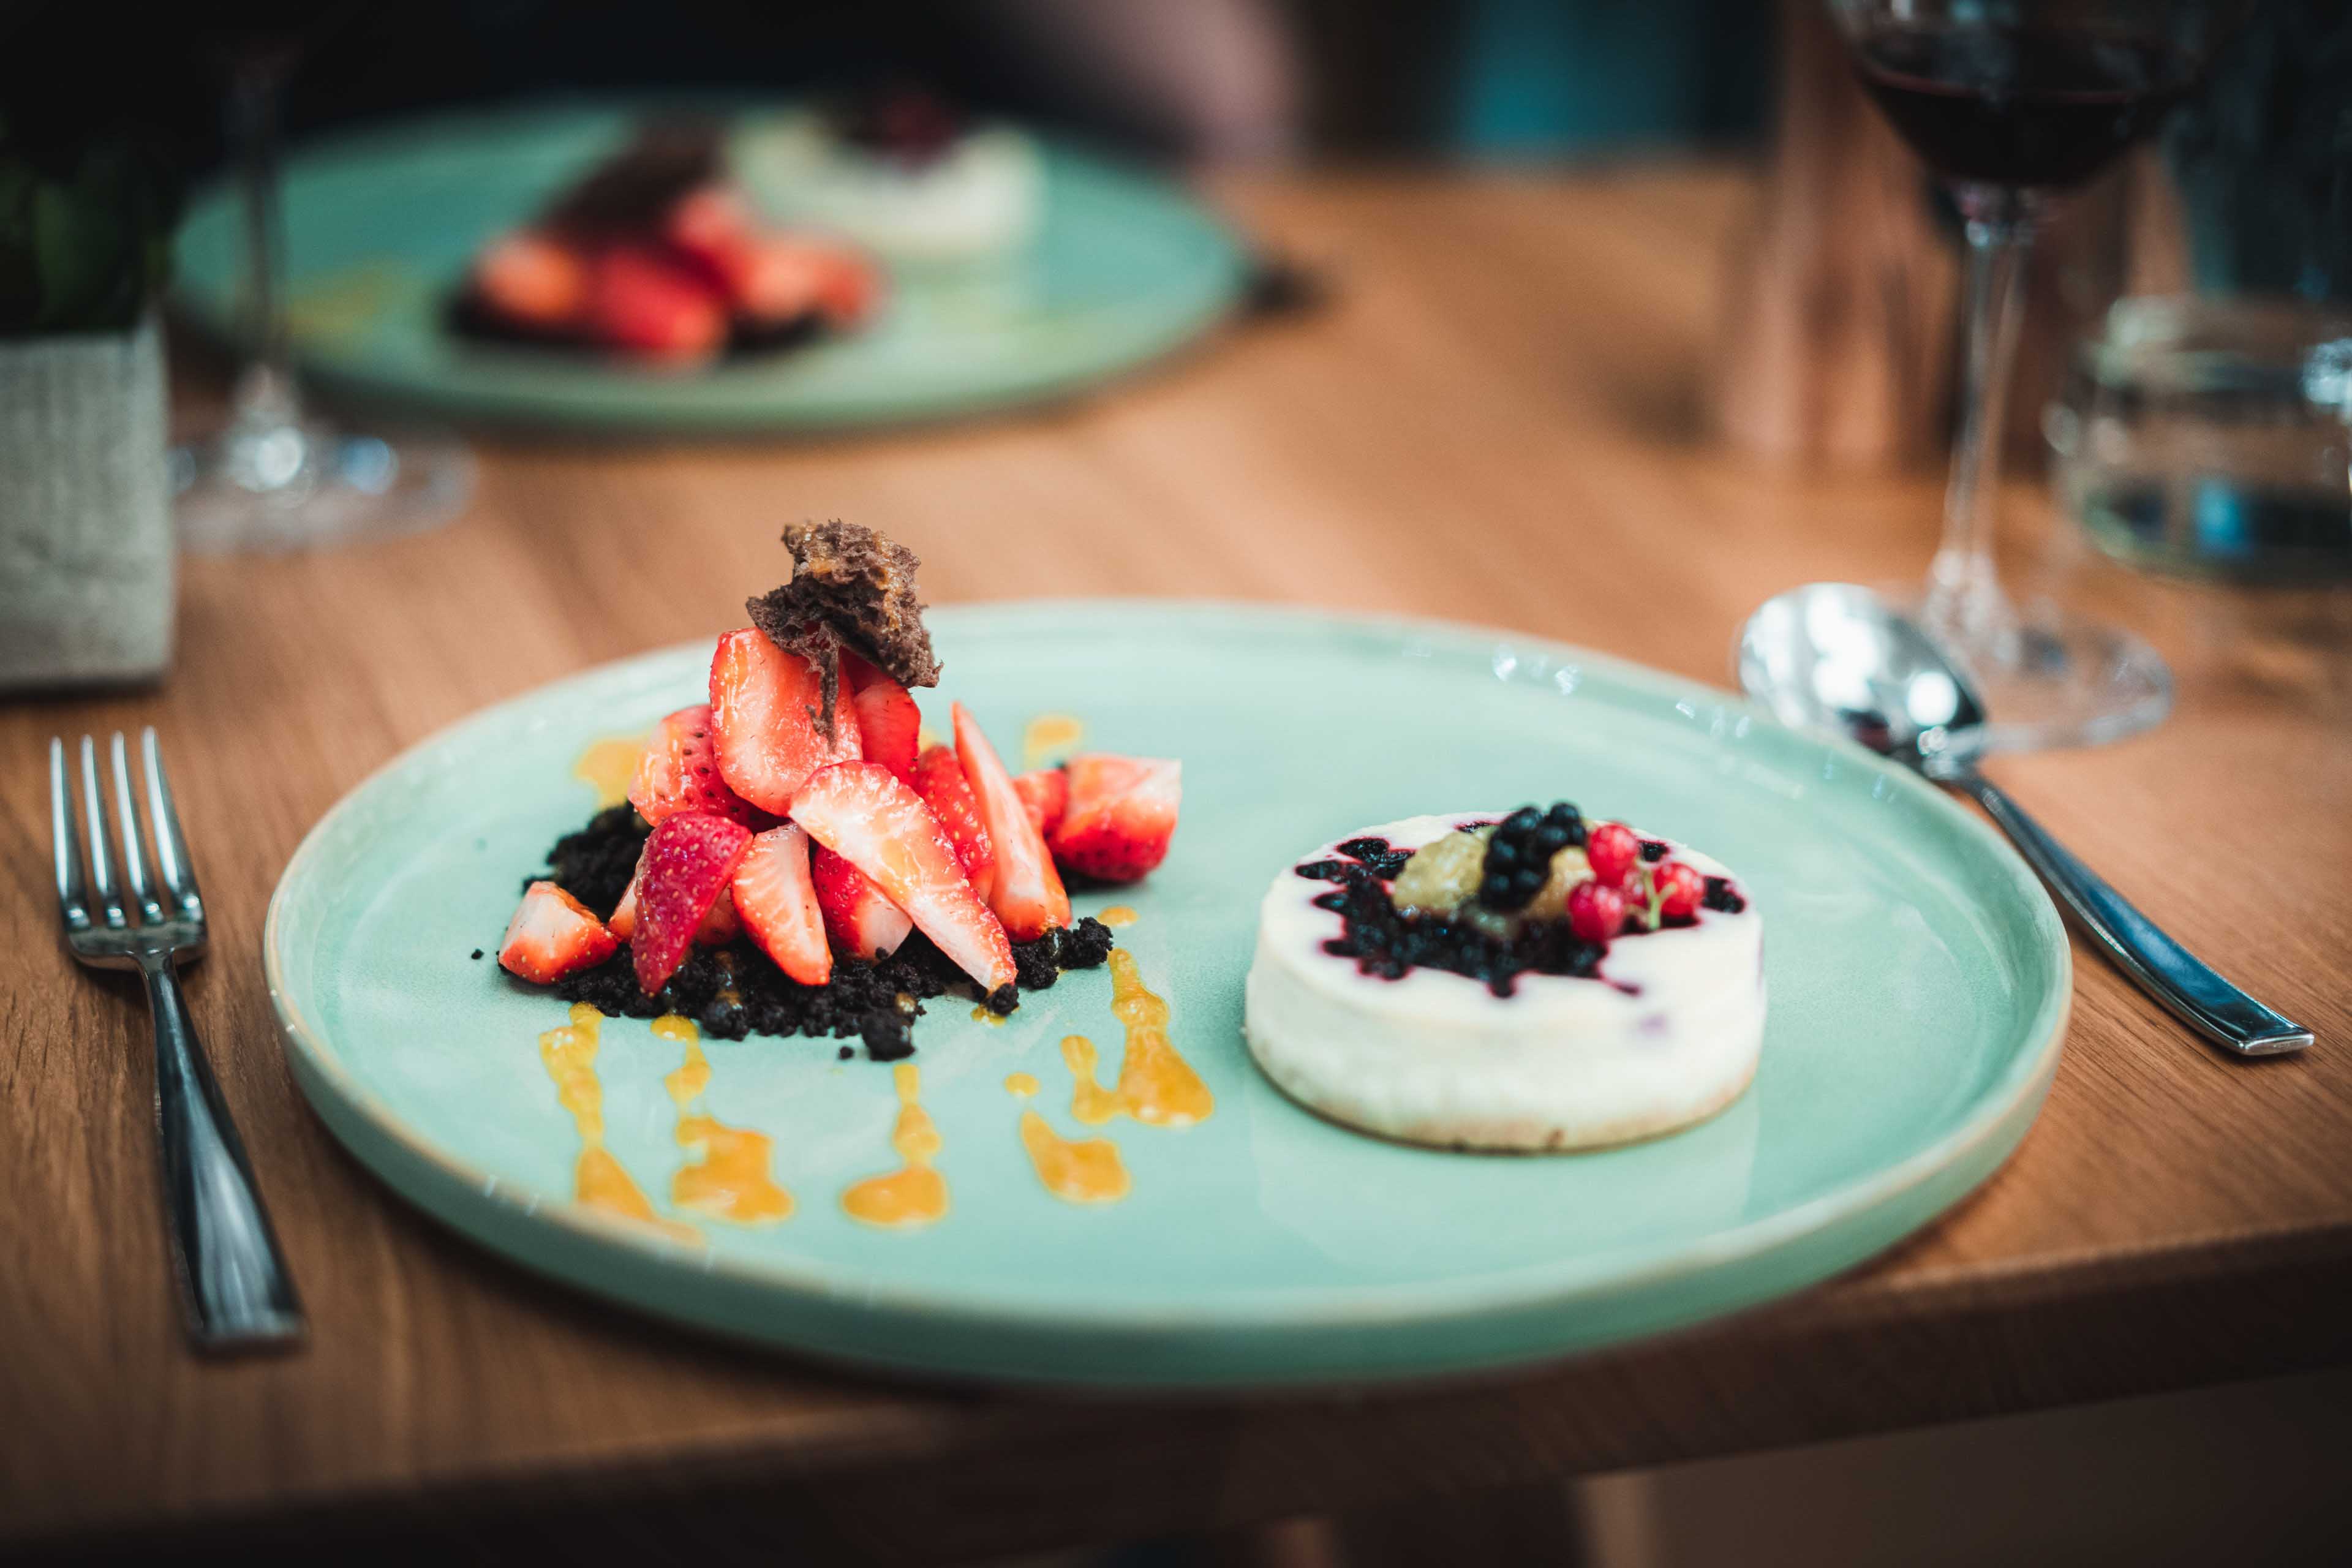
x=1156 y=1086
x=915 y=1194
x=728 y=1178
x=599 y=1181
x=609 y=767
x=1086 y=1171
x=983 y=1015
x=1117 y=915
x=1049 y=739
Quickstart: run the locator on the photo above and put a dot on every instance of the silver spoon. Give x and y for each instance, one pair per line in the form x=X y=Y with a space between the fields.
x=1833 y=658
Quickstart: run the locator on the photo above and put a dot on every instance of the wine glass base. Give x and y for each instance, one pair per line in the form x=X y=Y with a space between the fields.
x=2049 y=677
x=268 y=488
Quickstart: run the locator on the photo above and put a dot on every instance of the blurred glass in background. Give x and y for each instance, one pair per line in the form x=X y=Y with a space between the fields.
x=2212 y=433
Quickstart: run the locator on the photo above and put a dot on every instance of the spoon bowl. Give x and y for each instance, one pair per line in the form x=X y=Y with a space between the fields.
x=1835 y=658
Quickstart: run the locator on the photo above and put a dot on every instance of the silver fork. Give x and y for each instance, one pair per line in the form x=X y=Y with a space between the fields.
x=232 y=1282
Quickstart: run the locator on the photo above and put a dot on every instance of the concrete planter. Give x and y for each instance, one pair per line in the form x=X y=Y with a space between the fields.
x=86 y=546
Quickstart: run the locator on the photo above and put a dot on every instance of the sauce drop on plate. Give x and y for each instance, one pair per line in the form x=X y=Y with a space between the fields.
x=1117 y=915
x=599 y=1180
x=609 y=767
x=1076 y=1171
x=915 y=1194
x=1156 y=1085
x=1049 y=739
x=728 y=1177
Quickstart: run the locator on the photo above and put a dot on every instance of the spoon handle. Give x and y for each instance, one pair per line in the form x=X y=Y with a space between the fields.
x=2165 y=970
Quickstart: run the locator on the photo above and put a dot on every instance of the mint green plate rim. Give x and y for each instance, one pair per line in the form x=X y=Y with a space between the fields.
x=1357 y=1334
x=1122 y=312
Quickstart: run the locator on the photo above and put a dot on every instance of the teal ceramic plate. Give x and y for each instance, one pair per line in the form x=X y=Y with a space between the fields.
x=379 y=226
x=1918 y=977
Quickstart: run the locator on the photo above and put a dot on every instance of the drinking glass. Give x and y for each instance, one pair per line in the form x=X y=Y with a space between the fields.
x=2012 y=104
x=275 y=476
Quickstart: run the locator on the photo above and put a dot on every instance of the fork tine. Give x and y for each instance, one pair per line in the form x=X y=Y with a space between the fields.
x=65 y=843
x=126 y=823
x=102 y=866
x=163 y=827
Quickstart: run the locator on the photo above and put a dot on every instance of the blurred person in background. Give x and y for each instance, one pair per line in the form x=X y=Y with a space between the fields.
x=1208 y=79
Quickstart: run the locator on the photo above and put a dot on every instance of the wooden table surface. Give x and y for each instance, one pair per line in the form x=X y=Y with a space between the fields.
x=1497 y=419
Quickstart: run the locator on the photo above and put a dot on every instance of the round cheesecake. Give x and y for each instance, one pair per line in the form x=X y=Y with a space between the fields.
x=981 y=198
x=1662 y=1031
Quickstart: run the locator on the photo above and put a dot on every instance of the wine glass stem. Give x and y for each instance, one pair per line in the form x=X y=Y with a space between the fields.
x=1963 y=590
x=264 y=394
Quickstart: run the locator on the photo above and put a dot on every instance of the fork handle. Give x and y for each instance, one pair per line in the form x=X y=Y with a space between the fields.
x=2164 y=969
x=235 y=1284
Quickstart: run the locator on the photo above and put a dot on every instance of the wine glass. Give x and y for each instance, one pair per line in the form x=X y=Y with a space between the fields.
x=2012 y=104
x=275 y=476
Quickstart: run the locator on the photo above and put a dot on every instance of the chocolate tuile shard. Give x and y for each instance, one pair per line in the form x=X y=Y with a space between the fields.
x=850 y=587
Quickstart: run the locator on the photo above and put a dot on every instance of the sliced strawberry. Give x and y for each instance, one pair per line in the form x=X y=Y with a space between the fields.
x=718 y=927
x=679 y=772
x=858 y=916
x=939 y=779
x=551 y=934
x=849 y=288
x=888 y=724
x=720 y=923
x=688 y=861
x=774 y=279
x=879 y=826
x=1044 y=793
x=777 y=904
x=1120 y=814
x=641 y=301
x=532 y=280
x=1027 y=894
x=710 y=230
x=766 y=704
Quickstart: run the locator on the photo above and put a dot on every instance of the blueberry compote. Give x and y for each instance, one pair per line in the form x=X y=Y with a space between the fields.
x=737 y=990
x=1386 y=942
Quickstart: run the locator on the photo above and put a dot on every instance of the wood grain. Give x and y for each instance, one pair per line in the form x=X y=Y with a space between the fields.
x=1498 y=420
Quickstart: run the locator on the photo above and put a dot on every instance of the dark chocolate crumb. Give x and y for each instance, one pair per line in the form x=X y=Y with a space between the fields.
x=849 y=587
x=845 y=1052
x=478 y=953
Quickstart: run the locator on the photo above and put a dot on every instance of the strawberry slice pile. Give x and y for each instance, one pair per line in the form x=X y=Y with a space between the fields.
x=804 y=818
x=673 y=287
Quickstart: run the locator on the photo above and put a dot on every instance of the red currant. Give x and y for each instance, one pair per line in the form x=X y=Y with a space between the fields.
x=1614 y=852
x=1595 y=914
x=1679 y=888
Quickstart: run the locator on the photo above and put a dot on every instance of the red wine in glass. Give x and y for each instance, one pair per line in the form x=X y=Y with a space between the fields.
x=2013 y=102
x=2038 y=109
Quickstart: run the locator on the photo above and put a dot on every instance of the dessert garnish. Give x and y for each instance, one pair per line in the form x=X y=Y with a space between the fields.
x=1536 y=892
x=790 y=862
x=849 y=587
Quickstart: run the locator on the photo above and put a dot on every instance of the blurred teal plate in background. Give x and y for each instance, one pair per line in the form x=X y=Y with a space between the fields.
x=380 y=225
x=1919 y=981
